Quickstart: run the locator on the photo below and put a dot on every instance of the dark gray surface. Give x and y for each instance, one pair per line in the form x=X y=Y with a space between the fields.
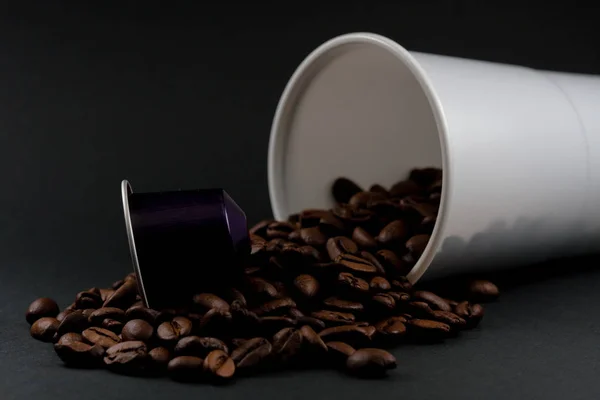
x=182 y=97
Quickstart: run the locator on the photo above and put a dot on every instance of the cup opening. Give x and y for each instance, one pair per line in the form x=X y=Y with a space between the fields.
x=359 y=106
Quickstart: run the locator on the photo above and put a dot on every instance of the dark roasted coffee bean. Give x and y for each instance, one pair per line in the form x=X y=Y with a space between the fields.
x=105 y=294
x=100 y=336
x=68 y=338
x=88 y=299
x=219 y=365
x=88 y=312
x=199 y=346
x=436 y=302
x=40 y=308
x=377 y=188
x=286 y=343
x=103 y=313
x=186 y=369
x=393 y=265
x=400 y=296
x=140 y=312
x=311 y=217
x=270 y=325
x=235 y=295
x=280 y=230
x=370 y=362
x=373 y=260
x=112 y=325
x=74 y=322
x=307 y=285
x=79 y=354
x=124 y=296
x=380 y=284
x=428 y=330
x=258 y=246
x=351 y=334
x=44 y=329
x=404 y=188
x=449 y=318
x=477 y=311
x=338 y=352
x=310 y=253
x=252 y=353
x=127 y=357
x=260 y=228
x=401 y=283
x=313 y=236
x=427 y=225
x=117 y=284
x=242 y=316
x=215 y=321
x=138 y=329
x=343 y=189
x=275 y=307
x=452 y=303
x=336 y=246
x=61 y=315
x=356 y=264
x=482 y=290
x=208 y=301
x=159 y=357
x=419 y=309
x=425 y=176
x=393 y=234
x=295 y=313
x=169 y=332
x=352 y=284
x=333 y=318
x=331 y=225
x=313 y=322
x=393 y=326
x=416 y=245
x=423 y=209
x=363 y=239
x=363 y=199
x=343 y=305
x=262 y=288
x=384 y=301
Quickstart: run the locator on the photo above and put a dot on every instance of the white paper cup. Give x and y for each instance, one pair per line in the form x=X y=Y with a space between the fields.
x=520 y=148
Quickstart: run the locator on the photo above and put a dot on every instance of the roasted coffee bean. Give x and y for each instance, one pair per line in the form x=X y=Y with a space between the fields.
x=40 y=308
x=235 y=295
x=312 y=341
x=428 y=330
x=270 y=325
x=214 y=322
x=338 y=352
x=482 y=290
x=140 y=312
x=356 y=264
x=311 y=217
x=159 y=358
x=313 y=236
x=399 y=296
x=105 y=294
x=169 y=332
x=286 y=343
x=124 y=296
x=127 y=357
x=363 y=199
x=219 y=365
x=306 y=285
x=404 y=188
x=44 y=329
x=343 y=305
x=275 y=307
x=393 y=326
x=208 y=301
x=117 y=284
x=471 y=313
x=419 y=309
x=401 y=283
x=260 y=228
x=61 y=315
x=199 y=346
x=393 y=234
x=262 y=288
x=87 y=312
x=449 y=318
x=258 y=246
x=427 y=225
x=351 y=334
x=88 y=299
x=380 y=284
x=423 y=209
x=436 y=302
x=416 y=245
x=68 y=338
x=313 y=322
x=377 y=188
x=100 y=336
x=279 y=230
x=112 y=325
x=364 y=239
x=138 y=329
x=425 y=176
x=393 y=265
x=331 y=225
x=343 y=189
x=339 y=245
x=251 y=353
x=352 y=284
x=186 y=369
x=310 y=253
x=333 y=318
x=373 y=260
x=74 y=322
x=98 y=316
x=79 y=354
x=370 y=362
x=384 y=301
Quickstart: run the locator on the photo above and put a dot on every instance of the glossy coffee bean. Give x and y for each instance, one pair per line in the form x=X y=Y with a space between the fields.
x=138 y=329
x=338 y=352
x=271 y=325
x=260 y=228
x=159 y=358
x=313 y=236
x=404 y=188
x=416 y=245
x=364 y=239
x=313 y=322
x=124 y=296
x=61 y=315
x=287 y=343
x=334 y=318
x=74 y=322
x=356 y=264
x=215 y=322
x=351 y=334
x=370 y=362
x=393 y=265
x=311 y=341
x=435 y=302
x=40 y=308
x=393 y=326
x=127 y=357
x=343 y=189
x=169 y=332
x=186 y=369
x=44 y=329
x=100 y=336
x=219 y=366
x=380 y=284
x=393 y=234
x=380 y=270
x=112 y=325
x=88 y=299
x=365 y=199
x=208 y=301
x=449 y=318
x=98 y=316
x=275 y=307
x=337 y=304
x=482 y=290
x=401 y=283
x=311 y=217
x=141 y=312
x=384 y=301
x=307 y=285
x=199 y=346
x=105 y=294
x=262 y=288
x=68 y=338
x=252 y=353
x=279 y=230
x=428 y=330
x=339 y=245
x=352 y=284
x=79 y=354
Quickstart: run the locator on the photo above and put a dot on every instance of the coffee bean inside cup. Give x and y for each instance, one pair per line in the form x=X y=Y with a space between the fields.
x=325 y=288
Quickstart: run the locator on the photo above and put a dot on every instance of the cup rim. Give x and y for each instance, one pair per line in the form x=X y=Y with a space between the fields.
x=293 y=90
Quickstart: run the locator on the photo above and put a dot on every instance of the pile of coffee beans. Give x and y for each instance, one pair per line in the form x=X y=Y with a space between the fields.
x=326 y=288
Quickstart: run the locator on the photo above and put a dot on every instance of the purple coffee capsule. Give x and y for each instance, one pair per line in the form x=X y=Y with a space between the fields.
x=183 y=242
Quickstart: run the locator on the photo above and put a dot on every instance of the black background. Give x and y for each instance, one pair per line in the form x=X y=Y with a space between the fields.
x=181 y=95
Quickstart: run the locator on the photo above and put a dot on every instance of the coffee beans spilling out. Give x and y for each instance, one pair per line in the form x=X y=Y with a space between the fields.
x=326 y=287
